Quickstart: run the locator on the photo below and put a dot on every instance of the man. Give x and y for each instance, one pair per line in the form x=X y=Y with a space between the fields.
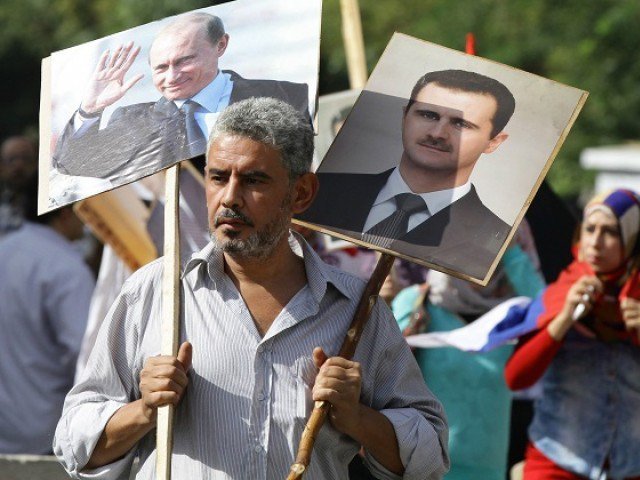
x=252 y=312
x=18 y=180
x=45 y=289
x=451 y=119
x=143 y=138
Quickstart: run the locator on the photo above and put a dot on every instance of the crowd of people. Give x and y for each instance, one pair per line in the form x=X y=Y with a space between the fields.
x=583 y=355
x=265 y=307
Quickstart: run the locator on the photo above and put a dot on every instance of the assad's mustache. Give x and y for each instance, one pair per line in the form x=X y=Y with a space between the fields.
x=437 y=142
x=230 y=214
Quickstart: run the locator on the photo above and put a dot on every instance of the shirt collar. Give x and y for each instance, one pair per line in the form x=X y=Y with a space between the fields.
x=319 y=274
x=210 y=96
x=435 y=201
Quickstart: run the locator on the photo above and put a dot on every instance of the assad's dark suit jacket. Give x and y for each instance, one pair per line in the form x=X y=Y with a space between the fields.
x=465 y=236
x=143 y=138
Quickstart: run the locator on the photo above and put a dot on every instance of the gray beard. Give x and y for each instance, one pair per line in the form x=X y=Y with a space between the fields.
x=260 y=244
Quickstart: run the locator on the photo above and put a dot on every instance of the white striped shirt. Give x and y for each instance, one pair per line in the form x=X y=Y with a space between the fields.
x=249 y=396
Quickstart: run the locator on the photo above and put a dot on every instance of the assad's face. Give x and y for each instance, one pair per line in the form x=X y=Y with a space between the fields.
x=184 y=61
x=447 y=130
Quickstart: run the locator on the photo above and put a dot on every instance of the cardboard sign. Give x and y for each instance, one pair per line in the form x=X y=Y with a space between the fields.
x=128 y=105
x=441 y=176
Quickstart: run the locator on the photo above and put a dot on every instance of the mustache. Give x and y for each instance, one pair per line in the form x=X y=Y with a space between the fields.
x=439 y=143
x=230 y=214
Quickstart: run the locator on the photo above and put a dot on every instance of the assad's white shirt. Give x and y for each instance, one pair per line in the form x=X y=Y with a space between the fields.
x=385 y=204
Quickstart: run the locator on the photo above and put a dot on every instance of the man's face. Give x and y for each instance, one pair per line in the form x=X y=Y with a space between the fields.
x=249 y=197
x=445 y=131
x=184 y=61
x=18 y=163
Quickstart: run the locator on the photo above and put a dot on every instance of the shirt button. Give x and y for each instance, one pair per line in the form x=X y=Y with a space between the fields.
x=258 y=449
x=260 y=349
x=261 y=397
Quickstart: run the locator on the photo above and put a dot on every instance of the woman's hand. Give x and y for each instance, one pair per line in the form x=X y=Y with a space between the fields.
x=630 y=308
x=584 y=291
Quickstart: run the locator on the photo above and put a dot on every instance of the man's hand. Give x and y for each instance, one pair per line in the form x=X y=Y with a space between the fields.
x=107 y=84
x=163 y=380
x=339 y=382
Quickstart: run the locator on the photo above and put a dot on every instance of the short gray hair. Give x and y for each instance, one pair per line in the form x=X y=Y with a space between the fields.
x=274 y=123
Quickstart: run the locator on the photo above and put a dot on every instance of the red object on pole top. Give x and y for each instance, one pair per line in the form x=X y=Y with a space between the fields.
x=470 y=46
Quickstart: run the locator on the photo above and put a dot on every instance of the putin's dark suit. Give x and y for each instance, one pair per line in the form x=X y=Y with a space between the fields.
x=143 y=138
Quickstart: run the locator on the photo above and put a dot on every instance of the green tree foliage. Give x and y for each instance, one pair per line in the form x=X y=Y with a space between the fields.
x=588 y=44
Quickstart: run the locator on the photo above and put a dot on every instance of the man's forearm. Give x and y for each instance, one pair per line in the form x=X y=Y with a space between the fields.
x=123 y=430
x=376 y=434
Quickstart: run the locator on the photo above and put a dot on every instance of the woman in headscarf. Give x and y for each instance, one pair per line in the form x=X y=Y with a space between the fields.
x=587 y=421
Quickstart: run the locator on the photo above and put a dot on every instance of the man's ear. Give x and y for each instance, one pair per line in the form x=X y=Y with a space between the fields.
x=495 y=142
x=222 y=44
x=305 y=190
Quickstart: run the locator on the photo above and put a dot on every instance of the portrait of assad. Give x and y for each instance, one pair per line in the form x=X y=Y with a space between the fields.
x=141 y=138
x=426 y=206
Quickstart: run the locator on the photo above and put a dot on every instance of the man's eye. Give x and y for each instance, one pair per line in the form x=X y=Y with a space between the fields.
x=252 y=181
x=429 y=115
x=217 y=179
x=459 y=123
x=183 y=62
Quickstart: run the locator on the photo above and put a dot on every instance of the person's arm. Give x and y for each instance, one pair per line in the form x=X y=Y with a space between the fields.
x=535 y=353
x=530 y=360
x=67 y=299
x=112 y=377
x=107 y=84
x=339 y=382
x=163 y=381
x=392 y=385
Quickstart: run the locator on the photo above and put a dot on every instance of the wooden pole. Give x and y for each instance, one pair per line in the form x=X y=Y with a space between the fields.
x=170 y=314
x=353 y=43
x=357 y=67
x=320 y=409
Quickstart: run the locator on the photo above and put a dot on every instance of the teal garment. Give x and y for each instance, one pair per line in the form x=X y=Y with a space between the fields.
x=471 y=386
x=475 y=397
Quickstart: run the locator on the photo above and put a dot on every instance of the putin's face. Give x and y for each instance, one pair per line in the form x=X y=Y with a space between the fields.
x=445 y=131
x=184 y=61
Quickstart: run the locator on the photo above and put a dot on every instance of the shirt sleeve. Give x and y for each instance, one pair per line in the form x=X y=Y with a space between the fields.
x=531 y=359
x=67 y=297
x=108 y=383
x=81 y=124
x=397 y=390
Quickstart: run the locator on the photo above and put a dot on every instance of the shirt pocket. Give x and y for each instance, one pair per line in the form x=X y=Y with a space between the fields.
x=305 y=374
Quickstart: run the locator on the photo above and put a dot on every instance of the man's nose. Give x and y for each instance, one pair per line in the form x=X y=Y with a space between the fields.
x=440 y=129
x=173 y=73
x=232 y=194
